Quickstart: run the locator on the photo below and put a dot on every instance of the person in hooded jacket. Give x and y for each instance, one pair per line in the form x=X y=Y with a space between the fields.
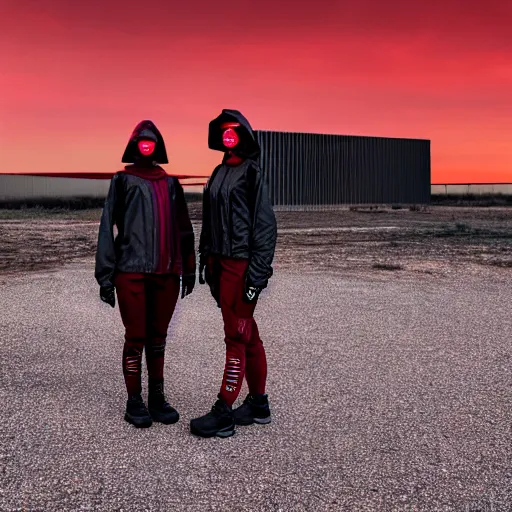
x=154 y=246
x=236 y=248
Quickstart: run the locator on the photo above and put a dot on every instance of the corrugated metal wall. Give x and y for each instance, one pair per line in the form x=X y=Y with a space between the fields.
x=307 y=170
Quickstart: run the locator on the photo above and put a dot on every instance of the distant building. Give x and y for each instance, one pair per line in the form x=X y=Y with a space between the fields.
x=303 y=171
x=309 y=171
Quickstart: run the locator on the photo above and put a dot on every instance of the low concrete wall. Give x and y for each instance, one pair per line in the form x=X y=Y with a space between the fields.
x=44 y=187
x=19 y=188
x=472 y=189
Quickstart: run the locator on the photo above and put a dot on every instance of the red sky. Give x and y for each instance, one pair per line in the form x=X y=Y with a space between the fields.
x=75 y=77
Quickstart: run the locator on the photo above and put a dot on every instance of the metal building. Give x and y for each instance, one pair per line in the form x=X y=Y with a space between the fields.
x=309 y=171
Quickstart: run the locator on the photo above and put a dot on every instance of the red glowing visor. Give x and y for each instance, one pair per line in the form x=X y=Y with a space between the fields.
x=229 y=136
x=146 y=147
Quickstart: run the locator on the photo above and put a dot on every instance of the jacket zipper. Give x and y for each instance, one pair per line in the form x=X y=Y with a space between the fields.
x=219 y=208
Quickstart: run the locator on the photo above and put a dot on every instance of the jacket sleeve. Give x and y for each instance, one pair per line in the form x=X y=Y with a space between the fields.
x=264 y=232
x=188 y=255
x=105 y=250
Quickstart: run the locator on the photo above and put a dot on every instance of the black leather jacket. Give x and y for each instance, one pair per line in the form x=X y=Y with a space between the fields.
x=135 y=249
x=238 y=219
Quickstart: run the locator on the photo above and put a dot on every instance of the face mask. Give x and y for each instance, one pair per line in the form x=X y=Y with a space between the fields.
x=146 y=147
x=230 y=138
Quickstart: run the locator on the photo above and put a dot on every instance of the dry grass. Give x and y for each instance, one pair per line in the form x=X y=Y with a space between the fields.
x=431 y=241
x=483 y=200
x=387 y=266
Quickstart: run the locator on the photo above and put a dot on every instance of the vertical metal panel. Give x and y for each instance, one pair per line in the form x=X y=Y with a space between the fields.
x=315 y=170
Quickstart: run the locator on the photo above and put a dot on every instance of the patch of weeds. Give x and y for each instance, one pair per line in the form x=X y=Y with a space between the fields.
x=464 y=228
x=458 y=229
x=445 y=231
x=421 y=208
x=387 y=266
x=500 y=263
x=371 y=208
x=481 y=200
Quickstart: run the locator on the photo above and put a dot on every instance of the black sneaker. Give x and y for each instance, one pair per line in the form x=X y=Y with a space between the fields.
x=159 y=408
x=218 y=422
x=255 y=409
x=136 y=412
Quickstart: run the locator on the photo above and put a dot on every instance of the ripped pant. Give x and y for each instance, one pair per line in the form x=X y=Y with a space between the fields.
x=245 y=354
x=146 y=303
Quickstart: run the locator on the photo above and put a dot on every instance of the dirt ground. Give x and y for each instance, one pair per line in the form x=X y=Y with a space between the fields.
x=388 y=340
x=431 y=241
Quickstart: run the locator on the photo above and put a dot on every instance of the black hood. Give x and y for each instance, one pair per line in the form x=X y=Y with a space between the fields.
x=145 y=130
x=248 y=146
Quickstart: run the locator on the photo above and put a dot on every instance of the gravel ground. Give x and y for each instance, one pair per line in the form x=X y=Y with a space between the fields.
x=391 y=394
x=388 y=339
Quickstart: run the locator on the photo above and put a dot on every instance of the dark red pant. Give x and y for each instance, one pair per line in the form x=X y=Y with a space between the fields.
x=245 y=354
x=146 y=303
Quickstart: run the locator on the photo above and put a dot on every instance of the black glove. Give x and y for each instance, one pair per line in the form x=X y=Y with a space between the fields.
x=187 y=285
x=251 y=292
x=202 y=265
x=108 y=295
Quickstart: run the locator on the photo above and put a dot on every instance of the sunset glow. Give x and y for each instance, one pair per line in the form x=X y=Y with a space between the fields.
x=78 y=76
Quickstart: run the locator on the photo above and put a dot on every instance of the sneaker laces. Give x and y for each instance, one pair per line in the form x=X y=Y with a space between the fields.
x=218 y=408
x=157 y=394
x=249 y=399
x=137 y=403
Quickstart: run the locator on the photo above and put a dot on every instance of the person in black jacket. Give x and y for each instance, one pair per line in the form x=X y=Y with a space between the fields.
x=153 y=247
x=236 y=249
